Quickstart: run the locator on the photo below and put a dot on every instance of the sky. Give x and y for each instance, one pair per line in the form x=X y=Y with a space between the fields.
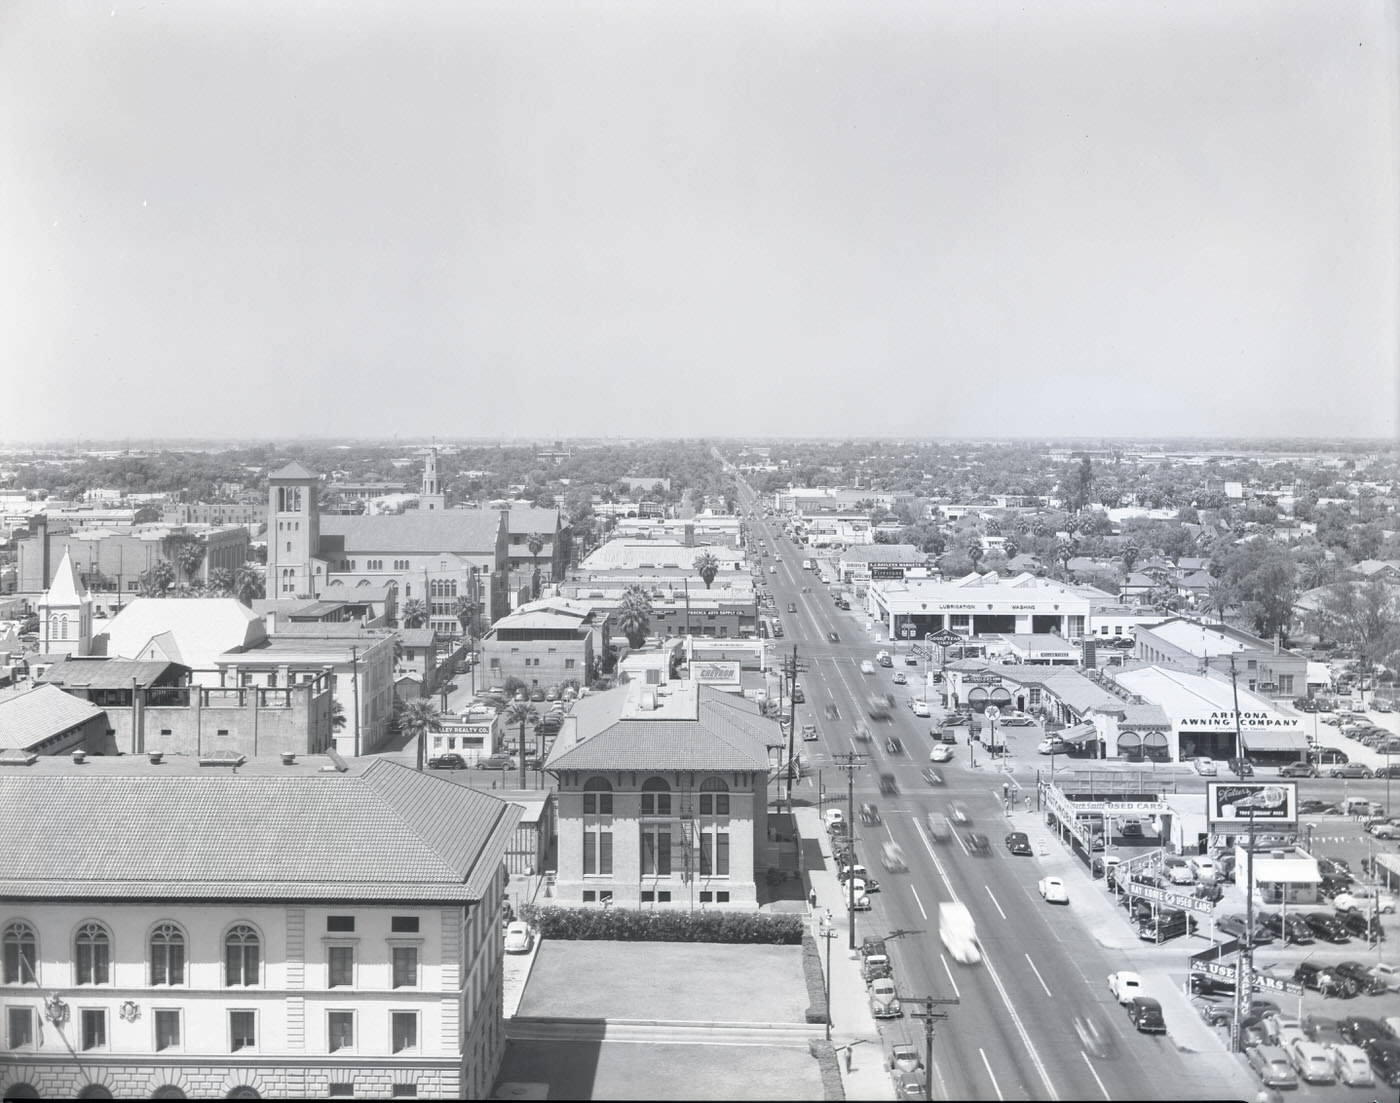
x=942 y=218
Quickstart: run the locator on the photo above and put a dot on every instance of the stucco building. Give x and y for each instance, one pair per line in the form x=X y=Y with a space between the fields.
x=284 y=934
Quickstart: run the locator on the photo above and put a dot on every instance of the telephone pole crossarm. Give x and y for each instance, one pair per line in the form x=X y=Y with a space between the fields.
x=928 y=1014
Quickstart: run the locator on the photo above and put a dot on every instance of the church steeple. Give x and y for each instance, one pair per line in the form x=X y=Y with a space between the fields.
x=65 y=612
x=431 y=495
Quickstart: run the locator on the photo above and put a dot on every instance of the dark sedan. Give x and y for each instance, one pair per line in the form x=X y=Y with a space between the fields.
x=1146 y=1014
x=1326 y=926
x=1361 y=975
x=1359 y=1030
x=447 y=761
x=978 y=843
x=1384 y=1055
x=1018 y=842
x=1298 y=769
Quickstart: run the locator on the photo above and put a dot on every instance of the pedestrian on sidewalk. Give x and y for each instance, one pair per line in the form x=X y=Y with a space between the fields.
x=1006 y=790
x=812 y=898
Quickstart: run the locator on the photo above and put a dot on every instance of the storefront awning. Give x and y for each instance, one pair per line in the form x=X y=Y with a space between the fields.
x=1281 y=740
x=1080 y=733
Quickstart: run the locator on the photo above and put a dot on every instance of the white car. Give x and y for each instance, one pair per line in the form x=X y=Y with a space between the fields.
x=1204 y=766
x=1204 y=869
x=919 y=706
x=867 y=667
x=1363 y=898
x=519 y=939
x=1053 y=891
x=899 y=679
x=941 y=753
x=1351 y=1066
x=1388 y=973
x=833 y=816
x=1125 y=986
x=1180 y=875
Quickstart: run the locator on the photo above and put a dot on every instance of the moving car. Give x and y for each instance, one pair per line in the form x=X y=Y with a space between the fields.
x=1145 y=1013
x=918 y=706
x=834 y=637
x=496 y=762
x=1052 y=890
x=978 y=843
x=892 y=857
x=941 y=752
x=889 y=786
x=1125 y=986
x=958 y=932
x=1051 y=745
x=893 y=745
x=809 y=733
x=958 y=814
x=448 y=761
x=899 y=679
x=1018 y=842
x=519 y=938
x=1271 y=1065
x=867 y=667
x=938 y=829
x=932 y=776
x=792 y=606
x=869 y=814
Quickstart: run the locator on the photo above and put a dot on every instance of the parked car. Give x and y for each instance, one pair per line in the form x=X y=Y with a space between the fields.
x=1384 y=1055
x=1329 y=756
x=1236 y=926
x=1297 y=769
x=1272 y=1066
x=1018 y=842
x=1389 y=974
x=1363 y=925
x=1291 y=929
x=496 y=762
x=1241 y=767
x=1350 y=769
x=874 y=967
x=918 y=706
x=1311 y=1062
x=1351 y=1065
x=1168 y=924
x=1204 y=766
x=448 y=761
x=1322 y=978
x=1365 y=898
x=1322 y=1030
x=884 y=1001
x=519 y=938
x=1326 y=926
x=1125 y=986
x=1360 y=974
x=1145 y=1013
x=1359 y=1029
x=1383 y=829
x=1208 y=984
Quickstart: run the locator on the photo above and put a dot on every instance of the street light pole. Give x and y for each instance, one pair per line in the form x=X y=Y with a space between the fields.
x=828 y=932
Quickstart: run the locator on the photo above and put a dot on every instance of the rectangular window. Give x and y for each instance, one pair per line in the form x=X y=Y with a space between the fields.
x=242 y=1030
x=340 y=1030
x=167 y=1030
x=340 y=966
x=404 y=924
x=706 y=896
x=663 y=897
x=342 y=923
x=340 y=1089
x=19 y=1027
x=1285 y=685
x=94 y=1028
x=404 y=1091
x=94 y=962
x=589 y=895
x=403 y=1028
x=656 y=852
x=167 y=963
x=706 y=854
x=648 y=896
x=605 y=863
x=721 y=898
x=590 y=852
x=568 y=664
x=405 y=963
x=721 y=853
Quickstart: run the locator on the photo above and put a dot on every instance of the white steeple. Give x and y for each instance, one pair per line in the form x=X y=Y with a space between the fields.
x=65 y=612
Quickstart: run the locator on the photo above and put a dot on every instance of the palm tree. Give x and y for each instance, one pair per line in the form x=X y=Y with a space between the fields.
x=221 y=581
x=338 y=717
x=414 y=613
x=536 y=544
x=1220 y=596
x=189 y=554
x=463 y=612
x=522 y=713
x=634 y=616
x=706 y=566
x=1130 y=556
x=248 y=583
x=417 y=719
x=158 y=579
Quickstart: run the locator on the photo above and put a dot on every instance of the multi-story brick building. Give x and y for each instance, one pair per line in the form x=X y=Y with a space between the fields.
x=283 y=933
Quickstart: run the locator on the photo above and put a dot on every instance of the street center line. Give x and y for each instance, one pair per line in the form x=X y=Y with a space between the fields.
x=918 y=901
x=1038 y=976
x=994 y=900
x=990 y=1075
x=1095 y=1075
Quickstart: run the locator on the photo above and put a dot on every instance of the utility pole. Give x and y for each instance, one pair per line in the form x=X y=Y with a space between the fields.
x=851 y=762
x=928 y=1014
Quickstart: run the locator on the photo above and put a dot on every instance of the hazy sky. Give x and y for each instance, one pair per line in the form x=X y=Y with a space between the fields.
x=368 y=217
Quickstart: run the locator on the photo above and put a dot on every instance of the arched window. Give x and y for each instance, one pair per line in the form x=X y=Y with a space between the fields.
x=21 y=952
x=714 y=797
x=93 y=954
x=95 y=1091
x=242 y=956
x=167 y=955
x=168 y=1091
x=656 y=797
x=243 y=1091
x=597 y=797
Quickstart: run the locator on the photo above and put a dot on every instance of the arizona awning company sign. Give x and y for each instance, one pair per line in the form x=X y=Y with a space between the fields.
x=716 y=673
x=1226 y=721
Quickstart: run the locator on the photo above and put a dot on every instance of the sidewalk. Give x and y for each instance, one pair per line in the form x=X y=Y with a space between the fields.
x=851 y=1022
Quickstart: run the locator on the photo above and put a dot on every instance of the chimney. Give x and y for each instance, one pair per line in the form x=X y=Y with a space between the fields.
x=568 y=731
x=690 y=534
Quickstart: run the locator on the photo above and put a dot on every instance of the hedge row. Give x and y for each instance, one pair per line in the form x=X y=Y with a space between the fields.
x=816 y=982
x=627 y=925
x=832 y=1086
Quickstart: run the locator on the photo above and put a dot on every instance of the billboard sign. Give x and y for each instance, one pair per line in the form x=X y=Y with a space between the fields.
x=713 y=673
x=1230 y=804
x=886 y=571
x=943 y=637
